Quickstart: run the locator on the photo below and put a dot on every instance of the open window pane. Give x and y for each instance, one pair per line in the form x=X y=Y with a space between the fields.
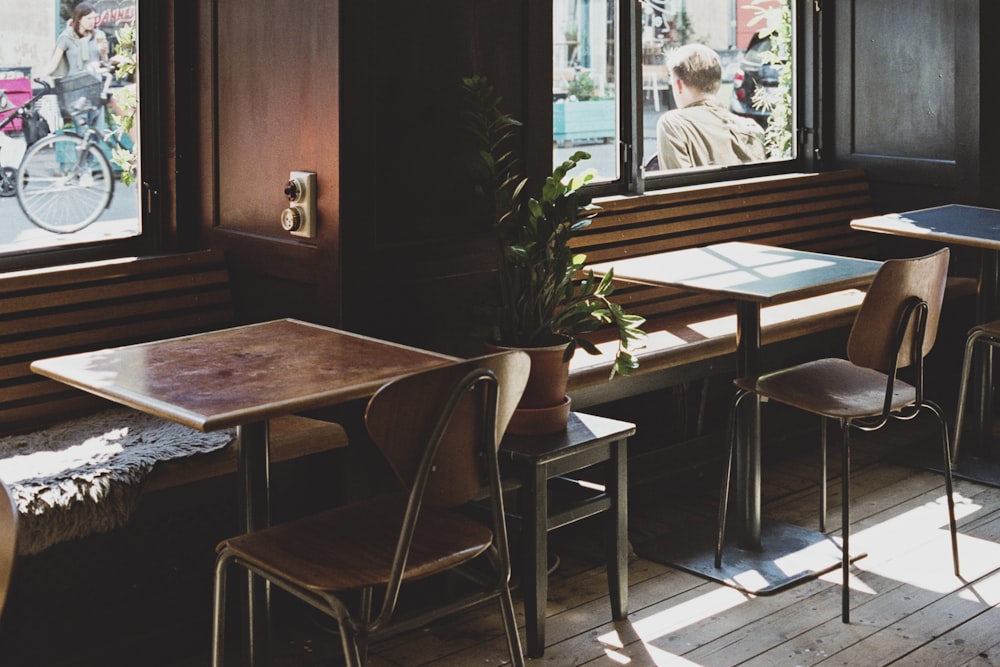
x=585 y=95
x=68 y=158
x=736 y=109
x=738 y=114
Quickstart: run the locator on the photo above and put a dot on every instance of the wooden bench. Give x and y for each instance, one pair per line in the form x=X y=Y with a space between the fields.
x=75 y=308
x=694 y=335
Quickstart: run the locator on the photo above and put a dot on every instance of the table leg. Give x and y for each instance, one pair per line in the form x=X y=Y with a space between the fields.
x=986 y=310
x=765 y=559
x=255 y=513
x=748 y=450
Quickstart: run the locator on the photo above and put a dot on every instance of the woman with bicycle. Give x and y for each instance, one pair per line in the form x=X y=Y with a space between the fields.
x=77 y=51
x=76 y=47
x=65 y=180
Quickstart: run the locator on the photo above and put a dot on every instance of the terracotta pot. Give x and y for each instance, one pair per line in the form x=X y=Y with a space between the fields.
x=537 y=421
x=544 y=406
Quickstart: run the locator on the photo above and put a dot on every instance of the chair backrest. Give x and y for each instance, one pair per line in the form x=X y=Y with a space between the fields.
x=8 y=540
x=402 y=417
x=872 y=342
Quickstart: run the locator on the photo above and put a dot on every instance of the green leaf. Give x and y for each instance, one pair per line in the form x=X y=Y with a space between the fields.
x=536 y=266
x=589 y=347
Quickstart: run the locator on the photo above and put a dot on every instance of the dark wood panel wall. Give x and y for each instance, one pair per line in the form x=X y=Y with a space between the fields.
x=367 y=94
x=268 y=103
x=986 y=145
x=906 y=98
x=413 y=243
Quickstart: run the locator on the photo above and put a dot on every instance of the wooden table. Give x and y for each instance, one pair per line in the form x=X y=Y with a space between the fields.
x=974 y=227
x=241 y=377
x=954 y=224
x=753 y=275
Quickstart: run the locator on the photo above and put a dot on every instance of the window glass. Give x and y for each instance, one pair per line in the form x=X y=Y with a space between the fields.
x=585 y=92
x=68 y=124
x=732 y=105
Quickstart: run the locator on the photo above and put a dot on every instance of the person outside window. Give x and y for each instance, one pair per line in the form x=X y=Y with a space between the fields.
x=700 y=132
x=77 y=50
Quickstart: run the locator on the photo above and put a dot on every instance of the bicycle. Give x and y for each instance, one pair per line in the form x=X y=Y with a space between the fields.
x=65 y=180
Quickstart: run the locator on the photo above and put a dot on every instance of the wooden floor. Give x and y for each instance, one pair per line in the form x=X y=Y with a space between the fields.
x=907 y=606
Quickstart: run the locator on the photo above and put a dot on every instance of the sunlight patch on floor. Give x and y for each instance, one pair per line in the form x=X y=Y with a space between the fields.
x=913 y=548
x=663 y=658
x=920 y=544
x=681 y=615
x=651 y=656
x=985 y=591
x=857 y=585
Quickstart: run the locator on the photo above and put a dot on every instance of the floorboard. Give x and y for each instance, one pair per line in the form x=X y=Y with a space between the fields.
x=908 y=607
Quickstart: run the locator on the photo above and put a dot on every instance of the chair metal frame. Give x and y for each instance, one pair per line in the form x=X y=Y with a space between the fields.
x=912 y=322
x=985 y=337
x=356 y=629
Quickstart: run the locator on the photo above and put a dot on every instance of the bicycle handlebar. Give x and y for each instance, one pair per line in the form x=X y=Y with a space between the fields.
x=107 y=75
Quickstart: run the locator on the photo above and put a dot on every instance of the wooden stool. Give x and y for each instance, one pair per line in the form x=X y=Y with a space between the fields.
x=536 y=460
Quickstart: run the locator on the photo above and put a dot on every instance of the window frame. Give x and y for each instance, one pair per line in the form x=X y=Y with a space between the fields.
x=806 y=22
x=153 y=219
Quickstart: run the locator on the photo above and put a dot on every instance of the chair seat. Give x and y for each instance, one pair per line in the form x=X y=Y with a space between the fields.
x=833 y=388
x=351 y=547
x=988 y=328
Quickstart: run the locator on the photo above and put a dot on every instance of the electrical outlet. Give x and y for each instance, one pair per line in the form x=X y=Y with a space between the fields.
x=299 y=219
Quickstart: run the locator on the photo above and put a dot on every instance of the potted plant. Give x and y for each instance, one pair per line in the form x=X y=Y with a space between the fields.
x=545 y=297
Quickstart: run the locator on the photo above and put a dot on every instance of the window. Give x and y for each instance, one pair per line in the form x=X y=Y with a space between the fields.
x=61 y=193
x=738 y=117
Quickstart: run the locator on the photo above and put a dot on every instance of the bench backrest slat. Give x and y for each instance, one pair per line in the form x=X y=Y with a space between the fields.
x=75 y=308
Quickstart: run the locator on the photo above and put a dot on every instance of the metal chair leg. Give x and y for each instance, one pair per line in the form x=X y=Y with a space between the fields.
x=365 y=614
x=349 y=644
x=948 y=482
x=963 y=390
x=219 y=612
x=726 y=476
x=510 y=629
x=822 y=474
x=353 y=632
x=845 y=514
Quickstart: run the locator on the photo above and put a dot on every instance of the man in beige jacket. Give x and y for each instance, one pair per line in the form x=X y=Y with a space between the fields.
x=700 y=132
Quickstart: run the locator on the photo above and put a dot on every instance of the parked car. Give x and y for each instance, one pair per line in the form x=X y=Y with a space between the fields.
x=755 y=71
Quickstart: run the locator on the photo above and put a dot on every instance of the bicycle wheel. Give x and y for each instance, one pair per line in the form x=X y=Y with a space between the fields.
x=8 y=182
x=64 y=183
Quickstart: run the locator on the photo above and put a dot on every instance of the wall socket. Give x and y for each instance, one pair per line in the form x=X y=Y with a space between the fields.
x=299 y=219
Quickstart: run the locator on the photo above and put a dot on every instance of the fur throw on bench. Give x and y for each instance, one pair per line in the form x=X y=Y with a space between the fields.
x=84 y=476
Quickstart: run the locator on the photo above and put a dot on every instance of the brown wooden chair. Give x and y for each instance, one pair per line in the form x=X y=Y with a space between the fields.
x=8 y=541
x=983 y=337
x=895 y=329
x=439 y=430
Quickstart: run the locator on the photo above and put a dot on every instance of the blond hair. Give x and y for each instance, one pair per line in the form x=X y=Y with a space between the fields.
x=697 y=66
